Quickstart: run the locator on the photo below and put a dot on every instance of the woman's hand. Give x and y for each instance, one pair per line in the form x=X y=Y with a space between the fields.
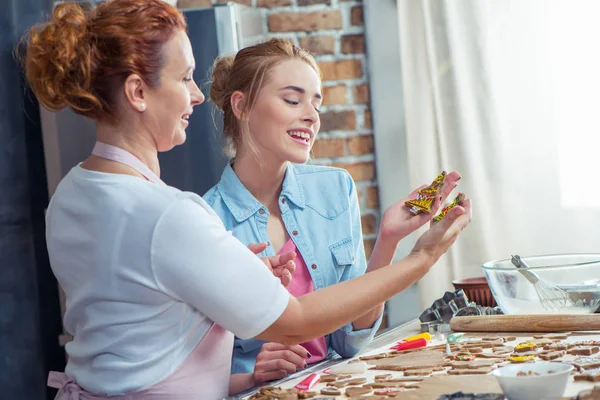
x=443 y=234
x=397 y=221
x=281 y=265
x=276 y=361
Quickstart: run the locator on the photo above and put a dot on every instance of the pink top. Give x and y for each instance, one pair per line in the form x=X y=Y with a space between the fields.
x=302 y=284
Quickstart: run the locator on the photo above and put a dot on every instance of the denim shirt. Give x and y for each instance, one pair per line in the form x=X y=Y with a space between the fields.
x=321 y=214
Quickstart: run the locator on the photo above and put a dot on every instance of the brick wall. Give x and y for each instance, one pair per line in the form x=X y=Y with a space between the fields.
x=333 y=30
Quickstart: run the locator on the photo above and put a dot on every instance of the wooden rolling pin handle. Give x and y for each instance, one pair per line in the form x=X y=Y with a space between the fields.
x=526 y=323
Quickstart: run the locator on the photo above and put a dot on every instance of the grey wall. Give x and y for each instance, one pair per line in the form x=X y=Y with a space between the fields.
x=29 y=308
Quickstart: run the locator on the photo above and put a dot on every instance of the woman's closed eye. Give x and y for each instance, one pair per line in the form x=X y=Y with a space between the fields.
x=295 y=103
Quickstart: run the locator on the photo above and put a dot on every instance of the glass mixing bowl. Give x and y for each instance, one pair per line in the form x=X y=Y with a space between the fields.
x=576 y=277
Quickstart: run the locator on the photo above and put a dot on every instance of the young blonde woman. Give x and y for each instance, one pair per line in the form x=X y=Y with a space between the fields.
x=270 y=94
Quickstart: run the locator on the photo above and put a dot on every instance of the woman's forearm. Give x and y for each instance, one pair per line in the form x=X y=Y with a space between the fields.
x=383 y=254
x=323 y=311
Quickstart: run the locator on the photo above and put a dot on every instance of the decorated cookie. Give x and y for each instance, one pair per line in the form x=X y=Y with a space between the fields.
x=425 y=197
x=520 y=359
x=525 y=346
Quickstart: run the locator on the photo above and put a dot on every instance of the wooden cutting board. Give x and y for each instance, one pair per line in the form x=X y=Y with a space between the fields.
x=527 y=323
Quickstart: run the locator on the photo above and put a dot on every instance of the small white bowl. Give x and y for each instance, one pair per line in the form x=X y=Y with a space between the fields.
x=550 y=384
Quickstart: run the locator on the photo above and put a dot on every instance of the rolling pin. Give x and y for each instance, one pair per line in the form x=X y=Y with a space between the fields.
x=526 y=323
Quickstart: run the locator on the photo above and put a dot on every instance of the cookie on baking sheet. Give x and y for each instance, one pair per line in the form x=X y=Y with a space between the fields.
x=418 y=372
x=509 y=338
x=520 y=359
x=502 y=349
x=551 y=355
x=331 y=391
x=471 y=364
x=474 y=371
x=590 y=375
x=583 y=350
x=541 y=342
x=357 y=391
x=349 y=382
x=553 y=336
x=585 y=362
x=559 y=346
x=373 y=357
x=525 y=346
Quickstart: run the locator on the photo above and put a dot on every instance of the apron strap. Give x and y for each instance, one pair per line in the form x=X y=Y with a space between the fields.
x=68 y=389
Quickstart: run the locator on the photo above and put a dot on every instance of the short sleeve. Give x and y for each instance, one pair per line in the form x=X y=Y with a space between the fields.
x=195 y=260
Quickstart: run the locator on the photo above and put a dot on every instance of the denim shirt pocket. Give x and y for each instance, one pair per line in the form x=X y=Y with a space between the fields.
x=343 y=252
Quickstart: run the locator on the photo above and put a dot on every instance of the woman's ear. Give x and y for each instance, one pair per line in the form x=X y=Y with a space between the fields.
x=238 y=104
x=135 y=93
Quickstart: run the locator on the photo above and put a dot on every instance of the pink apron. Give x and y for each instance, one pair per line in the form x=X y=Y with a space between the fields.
x=204 y=374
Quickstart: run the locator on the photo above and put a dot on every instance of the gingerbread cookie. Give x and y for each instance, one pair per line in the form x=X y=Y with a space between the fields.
x=382 y=377
x=583 y=350
x=520 y=359
x=373 y=357
x=387 y=391
x=471 y=364
x=502 y=349
x=541 y=342
x=551 y=355
x=525 y=346
x=553 y=336
x=418 y=372
x=425 y=197
x=357 y=391
x=585 y=362
x=331 y=391
x=474 y=371
x=591 y=375
x=560 y=346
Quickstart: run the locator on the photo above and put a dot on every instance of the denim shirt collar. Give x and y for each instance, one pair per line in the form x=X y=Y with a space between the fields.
x=242 y=204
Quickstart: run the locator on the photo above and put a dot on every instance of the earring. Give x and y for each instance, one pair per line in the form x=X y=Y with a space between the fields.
x=143 y=107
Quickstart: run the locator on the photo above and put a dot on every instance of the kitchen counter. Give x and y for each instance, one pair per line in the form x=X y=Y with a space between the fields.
x=386 y=339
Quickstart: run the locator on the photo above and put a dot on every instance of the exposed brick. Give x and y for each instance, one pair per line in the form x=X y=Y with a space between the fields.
x=369 y=244
x=329 y=148
x=368 y=117
x=194 y=3
x=334 y=95
x=338 y=121
x=362 y=144
x=353 y=44
x=273 y=3
x=361 y=94
x=356 y=15
x=305 y=21
x=341 y=69
x=372 y=197
x=311 y=2
x=369 y=223
x=359 y=194
x=244 y=2
x=360 y=171
x=318 y=44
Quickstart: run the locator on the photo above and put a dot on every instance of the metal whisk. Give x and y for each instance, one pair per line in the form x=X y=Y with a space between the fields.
x=551 y=296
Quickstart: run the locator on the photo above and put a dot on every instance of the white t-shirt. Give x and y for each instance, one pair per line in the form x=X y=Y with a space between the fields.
x=146 y=270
